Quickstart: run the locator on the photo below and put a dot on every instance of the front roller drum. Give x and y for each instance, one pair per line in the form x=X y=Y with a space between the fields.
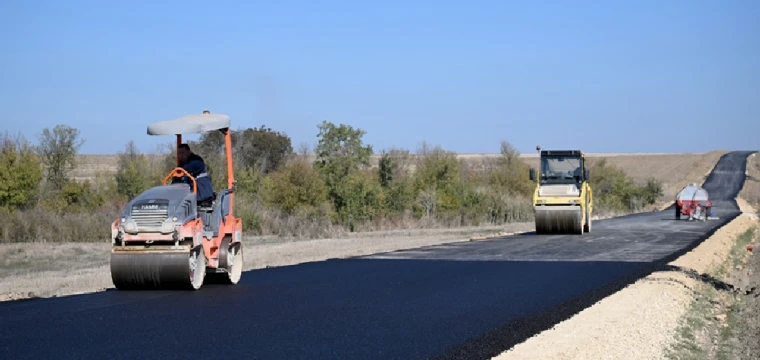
x=556 y=220
x=156 y=269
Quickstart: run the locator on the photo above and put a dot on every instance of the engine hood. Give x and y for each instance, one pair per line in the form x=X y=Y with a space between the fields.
x=170 y=198
x=175 y=194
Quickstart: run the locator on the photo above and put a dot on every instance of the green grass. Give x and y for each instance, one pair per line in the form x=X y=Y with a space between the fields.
x=687 y=344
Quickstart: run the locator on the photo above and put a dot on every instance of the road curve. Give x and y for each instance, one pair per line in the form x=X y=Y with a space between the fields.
x=463 y=300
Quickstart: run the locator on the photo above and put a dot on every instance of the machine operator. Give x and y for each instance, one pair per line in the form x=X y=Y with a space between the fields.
x=194 y=164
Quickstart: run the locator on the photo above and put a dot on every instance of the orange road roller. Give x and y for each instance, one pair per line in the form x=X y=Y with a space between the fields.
x=165 y=239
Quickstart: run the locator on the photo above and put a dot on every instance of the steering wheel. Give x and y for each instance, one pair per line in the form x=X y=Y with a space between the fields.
x=179 y=174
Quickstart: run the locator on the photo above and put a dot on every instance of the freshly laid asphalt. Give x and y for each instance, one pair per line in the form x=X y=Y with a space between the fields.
x=468 y=300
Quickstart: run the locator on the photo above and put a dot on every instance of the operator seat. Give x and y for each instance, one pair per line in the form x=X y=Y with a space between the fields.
x=207 y=204
x=578 y=174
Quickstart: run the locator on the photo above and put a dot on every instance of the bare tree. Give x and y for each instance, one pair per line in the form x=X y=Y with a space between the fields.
x=508 y=152
x=58 y=149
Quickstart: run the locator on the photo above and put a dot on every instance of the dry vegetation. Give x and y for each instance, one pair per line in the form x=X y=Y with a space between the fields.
x=751 y=190
x=674 y=170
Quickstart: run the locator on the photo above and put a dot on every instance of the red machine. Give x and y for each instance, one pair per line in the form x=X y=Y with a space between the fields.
x=694 y=202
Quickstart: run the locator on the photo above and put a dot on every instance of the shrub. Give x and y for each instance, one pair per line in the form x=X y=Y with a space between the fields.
x=75 y=197
x=614 y=191
x=294 y=187
x=437 y=181
x=359 y=198
x=510 y=174
x=20 y=173
x=130 y=175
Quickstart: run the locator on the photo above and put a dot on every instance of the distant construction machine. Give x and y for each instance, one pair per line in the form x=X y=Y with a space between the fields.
x=164 y=239
x=562 y=198
x=693 y=201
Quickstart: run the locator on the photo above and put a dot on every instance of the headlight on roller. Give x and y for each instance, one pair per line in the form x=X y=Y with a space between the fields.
x=130 y=226
x=167 y=226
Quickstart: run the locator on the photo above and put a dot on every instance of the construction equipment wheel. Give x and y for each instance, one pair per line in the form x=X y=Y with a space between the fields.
x=231 y=259
x=197 y=267
x=230 y=263
x=155 y=269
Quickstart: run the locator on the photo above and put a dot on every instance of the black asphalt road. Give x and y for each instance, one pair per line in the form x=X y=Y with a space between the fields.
x=466 y=300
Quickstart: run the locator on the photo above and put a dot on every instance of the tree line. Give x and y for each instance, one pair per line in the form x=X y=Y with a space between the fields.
x=280 y=191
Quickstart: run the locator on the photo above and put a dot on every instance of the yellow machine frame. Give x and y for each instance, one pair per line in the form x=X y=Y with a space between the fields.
x=567 y=206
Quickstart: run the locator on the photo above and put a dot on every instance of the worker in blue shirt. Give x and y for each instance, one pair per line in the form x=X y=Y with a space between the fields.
x=194 y=164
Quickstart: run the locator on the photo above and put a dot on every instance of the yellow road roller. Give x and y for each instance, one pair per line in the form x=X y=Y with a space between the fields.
x=562 y=198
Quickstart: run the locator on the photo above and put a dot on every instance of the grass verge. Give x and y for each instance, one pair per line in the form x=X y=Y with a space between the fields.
x=710 y=324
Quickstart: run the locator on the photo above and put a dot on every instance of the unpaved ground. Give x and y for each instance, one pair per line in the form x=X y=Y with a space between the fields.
x=45 y=270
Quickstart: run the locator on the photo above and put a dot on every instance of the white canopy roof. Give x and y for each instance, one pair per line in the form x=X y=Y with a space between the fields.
x=190 y=124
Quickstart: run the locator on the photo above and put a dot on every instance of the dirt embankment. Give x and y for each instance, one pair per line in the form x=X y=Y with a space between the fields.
x=743 y=342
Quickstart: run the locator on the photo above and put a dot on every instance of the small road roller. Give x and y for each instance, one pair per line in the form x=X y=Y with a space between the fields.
x=165 y=239
x=562 y=198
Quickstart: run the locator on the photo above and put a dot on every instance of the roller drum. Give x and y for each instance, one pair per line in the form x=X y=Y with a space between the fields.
x=133 y=270
x=552 y=220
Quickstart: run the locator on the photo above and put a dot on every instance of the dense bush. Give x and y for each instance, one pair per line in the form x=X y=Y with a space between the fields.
x=20 y=173
x=296 y=186
x=279 y=192
x=130 y=175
